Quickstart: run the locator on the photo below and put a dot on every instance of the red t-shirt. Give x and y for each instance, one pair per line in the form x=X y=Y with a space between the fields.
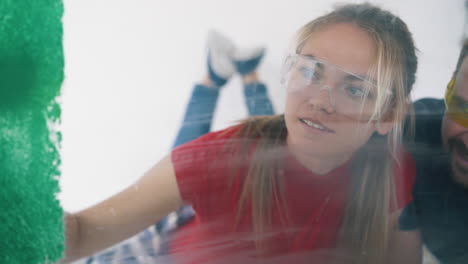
x=316 y=203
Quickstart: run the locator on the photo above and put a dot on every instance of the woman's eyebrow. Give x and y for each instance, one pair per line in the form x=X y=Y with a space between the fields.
x=357 y=77
x=319 y=65
x=310 y=56
x=351 y=76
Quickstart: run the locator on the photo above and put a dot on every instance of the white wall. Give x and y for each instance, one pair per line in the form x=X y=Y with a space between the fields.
x=130 y=66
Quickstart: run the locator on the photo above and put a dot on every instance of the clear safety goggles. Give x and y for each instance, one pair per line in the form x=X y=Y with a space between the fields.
x=456 y=107
x=350 y=94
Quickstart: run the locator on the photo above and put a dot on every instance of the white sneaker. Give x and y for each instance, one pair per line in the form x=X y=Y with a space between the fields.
x=220 y=52
x=246 y=60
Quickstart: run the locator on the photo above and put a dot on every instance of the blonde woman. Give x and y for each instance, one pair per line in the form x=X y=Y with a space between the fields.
x=323 y=183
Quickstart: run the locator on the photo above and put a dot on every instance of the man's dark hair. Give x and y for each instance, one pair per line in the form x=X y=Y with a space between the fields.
x=462 y=56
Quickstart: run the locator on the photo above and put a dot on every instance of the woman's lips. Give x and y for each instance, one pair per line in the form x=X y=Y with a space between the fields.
x=314 y=124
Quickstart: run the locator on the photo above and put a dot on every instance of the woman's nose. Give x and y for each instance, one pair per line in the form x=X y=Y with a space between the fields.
x=323 y=100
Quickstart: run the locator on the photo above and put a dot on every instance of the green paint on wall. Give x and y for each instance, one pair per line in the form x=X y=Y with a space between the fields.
x=31 y=74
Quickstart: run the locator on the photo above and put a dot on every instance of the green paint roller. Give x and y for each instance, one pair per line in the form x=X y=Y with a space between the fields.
x=31 y=74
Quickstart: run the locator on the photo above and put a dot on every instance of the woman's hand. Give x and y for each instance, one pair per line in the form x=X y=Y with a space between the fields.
x=145 y=202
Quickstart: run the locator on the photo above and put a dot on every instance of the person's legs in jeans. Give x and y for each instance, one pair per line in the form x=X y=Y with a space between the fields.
x=256 y=96
x=201 y=106
x=198 y=114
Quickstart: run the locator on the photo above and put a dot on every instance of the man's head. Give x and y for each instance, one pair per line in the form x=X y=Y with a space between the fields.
x=455 y=122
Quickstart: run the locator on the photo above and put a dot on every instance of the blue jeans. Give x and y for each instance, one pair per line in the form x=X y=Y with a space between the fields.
x=200 y=109
x=197 y=122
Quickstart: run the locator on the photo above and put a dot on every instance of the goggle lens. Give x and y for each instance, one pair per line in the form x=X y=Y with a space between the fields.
x=456 y=107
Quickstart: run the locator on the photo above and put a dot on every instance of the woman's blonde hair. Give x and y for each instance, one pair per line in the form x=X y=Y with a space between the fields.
x=366 y=225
